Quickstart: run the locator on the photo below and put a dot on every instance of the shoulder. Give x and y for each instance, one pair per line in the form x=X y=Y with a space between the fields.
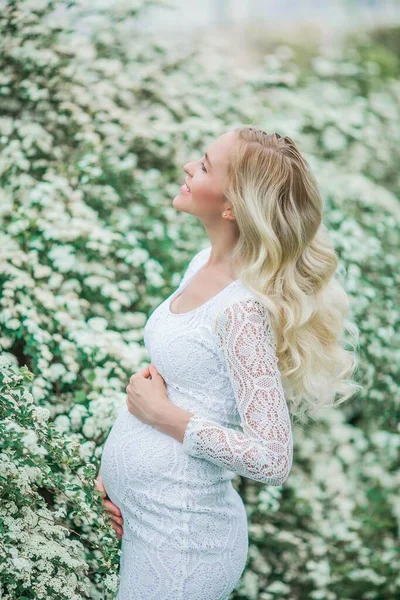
x=243 y=314
x=198 y=260
x=202 y=255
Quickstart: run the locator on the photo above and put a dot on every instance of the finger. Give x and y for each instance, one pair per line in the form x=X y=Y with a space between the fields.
x=154 y=373
x=145 y=371
x=118 y=520
x=111 y=507
x=118 y=530
x=134 y=376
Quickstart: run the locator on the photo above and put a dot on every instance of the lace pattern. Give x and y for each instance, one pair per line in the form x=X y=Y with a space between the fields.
x=263 y=451
x=185 y=526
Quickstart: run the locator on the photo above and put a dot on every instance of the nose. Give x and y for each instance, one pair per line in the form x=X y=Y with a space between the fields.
x=188 y=167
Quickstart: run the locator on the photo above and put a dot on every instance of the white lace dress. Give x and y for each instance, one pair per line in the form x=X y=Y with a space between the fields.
x=185 y=526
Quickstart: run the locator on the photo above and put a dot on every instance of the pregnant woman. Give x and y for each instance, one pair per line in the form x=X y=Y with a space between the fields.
x=248 y=339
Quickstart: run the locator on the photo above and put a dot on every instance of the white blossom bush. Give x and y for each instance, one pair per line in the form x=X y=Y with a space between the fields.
x=332 y=531
x=339 y=109
x=40 y=556
x=94 y=131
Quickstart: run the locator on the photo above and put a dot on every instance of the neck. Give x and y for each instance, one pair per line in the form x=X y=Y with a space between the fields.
x=223 y=241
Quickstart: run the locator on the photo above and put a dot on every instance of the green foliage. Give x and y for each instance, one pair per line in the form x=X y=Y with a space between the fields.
x=43 y=476
x=379 y=47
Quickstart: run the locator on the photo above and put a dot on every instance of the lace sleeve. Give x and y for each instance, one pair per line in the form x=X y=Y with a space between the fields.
x=263 y=450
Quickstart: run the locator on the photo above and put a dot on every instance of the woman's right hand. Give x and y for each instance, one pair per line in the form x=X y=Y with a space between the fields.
x=112 y=509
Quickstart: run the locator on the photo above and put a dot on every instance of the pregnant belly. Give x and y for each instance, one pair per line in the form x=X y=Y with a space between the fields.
x=134 y=454
x=162 y=492
x=138 y=458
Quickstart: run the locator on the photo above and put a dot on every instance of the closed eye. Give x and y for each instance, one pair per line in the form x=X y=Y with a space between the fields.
x=203 y=167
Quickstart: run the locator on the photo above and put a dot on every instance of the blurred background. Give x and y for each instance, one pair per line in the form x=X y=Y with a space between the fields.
x=261 y=21
x=239 y=32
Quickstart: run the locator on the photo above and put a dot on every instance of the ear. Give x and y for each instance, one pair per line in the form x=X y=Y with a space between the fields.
x=228 y=212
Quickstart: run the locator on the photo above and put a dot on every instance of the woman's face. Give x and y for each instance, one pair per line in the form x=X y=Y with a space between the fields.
x=206 y=179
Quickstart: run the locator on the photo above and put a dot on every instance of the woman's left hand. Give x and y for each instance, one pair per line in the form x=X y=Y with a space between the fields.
x=146 y=395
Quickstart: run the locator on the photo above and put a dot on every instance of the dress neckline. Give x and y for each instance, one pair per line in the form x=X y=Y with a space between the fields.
x=181 y=288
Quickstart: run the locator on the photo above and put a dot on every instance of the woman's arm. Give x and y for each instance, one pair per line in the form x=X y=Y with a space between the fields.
x=263 y=451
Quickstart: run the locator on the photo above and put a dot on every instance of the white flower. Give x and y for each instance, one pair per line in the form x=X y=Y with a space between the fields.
x=13 y=324
x=22 y=564
x=86 y=450
x=333 y=139
x=63 y=257
x=62 y=423
x=42 y=414
x=97 y=323
x=88 y=429
x=56 y=371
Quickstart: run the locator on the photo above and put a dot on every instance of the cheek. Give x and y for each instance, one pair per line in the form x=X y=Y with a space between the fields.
x=205 y=194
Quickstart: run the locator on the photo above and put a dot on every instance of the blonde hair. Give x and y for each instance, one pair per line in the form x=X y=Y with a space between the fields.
x=289 y=263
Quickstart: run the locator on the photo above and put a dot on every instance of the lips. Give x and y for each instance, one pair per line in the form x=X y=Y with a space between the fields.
x=184 y=189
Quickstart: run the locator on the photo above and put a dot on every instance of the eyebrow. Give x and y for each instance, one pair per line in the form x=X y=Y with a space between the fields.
x=207 y=159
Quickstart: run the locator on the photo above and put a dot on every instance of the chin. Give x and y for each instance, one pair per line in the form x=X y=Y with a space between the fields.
x=179 y=205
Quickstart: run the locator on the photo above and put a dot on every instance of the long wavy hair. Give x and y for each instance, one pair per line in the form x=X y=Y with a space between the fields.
x=289 y=263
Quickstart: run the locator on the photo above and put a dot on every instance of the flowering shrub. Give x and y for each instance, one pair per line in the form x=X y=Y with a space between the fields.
x=331 y=532
x=94 y=130
x=42 y=477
